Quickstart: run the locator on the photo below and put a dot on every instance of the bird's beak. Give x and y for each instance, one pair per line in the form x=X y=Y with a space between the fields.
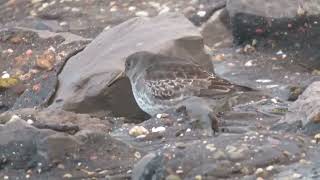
x=119 y=76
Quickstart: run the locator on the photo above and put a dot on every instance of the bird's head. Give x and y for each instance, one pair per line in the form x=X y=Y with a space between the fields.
x=135 y=63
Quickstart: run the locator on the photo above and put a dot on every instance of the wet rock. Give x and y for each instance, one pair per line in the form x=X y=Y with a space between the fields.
x=33 y=49
x=306 y=109
x=19 y=144
x=99 y=86
x=59 y=146
x=200 y=15
x=59 y=120
x=286 y=22
x=216 y=32
x=149 y=167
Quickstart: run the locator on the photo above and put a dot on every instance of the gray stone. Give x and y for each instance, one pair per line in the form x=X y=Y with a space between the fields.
x=90 y=80
x=59 y=146
x=18 y=144
x=149 y=167
x=216 y=32
x=283 y=21
x=307 y=108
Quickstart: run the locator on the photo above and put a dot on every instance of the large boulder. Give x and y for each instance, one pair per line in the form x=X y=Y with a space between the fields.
x=216 y=31
x=90 y=80
x=291 y=22
x=307 y=109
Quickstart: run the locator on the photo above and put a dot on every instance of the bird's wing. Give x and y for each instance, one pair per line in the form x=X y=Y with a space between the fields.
x=170 y=80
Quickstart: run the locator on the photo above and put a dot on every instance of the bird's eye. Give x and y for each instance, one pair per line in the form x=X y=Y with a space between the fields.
x=128 y=64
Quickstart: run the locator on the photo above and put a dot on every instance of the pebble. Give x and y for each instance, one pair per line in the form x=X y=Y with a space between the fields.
x=132 y=8
x=173 y=177
x=158 y=129
x=138 y=131
x=10 y=50
x=159 y=116
x=5 y=75
x=296 y=175
x=317 y=137
x=30 y=121
x=259 y=171
x=164 y=9
x=219 y=155
x=249 y=63
x=29 y=52
x=198 y=177
x=269 y=168
x=67 y=176
x=63 y=23
x=5 y=177
x=113 y=9
x=263 y=80
x=137 y=155
x=201 y=13
x=74 y=9
x=142 y=14
x=211 y=147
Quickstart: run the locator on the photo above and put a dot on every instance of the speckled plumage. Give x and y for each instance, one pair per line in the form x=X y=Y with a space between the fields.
x=161 y=82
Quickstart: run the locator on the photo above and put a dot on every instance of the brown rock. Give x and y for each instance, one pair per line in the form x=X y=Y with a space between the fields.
x=46 y=60
x=89 y=81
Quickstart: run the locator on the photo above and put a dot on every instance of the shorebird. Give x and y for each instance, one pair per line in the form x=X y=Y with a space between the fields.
x=162 y=82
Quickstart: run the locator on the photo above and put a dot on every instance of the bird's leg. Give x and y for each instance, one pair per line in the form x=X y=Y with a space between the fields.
x=214 y=122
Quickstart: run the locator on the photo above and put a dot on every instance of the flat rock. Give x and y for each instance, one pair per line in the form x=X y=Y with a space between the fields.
x=89 y=81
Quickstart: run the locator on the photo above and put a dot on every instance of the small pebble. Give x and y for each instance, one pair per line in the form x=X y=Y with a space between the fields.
x=30 y=121
x=201 y=13
x=269 y=168
x=138 y=130
x=259 y=171
x=158 y=129
x=29 y=52
x=142 y=14
x=317 y=137
x=5 y=75
x=249 y=63
x=198 y=177
x=296 y=175
x=137 y=155
x=132 y=8
x=67 y=176
x=263 y=80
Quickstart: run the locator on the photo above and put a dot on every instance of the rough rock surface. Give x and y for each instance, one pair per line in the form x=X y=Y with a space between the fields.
x=306 y=109
x=102 y=61
x=286 y=24
x=34 y=58
x=252 y=142
x=216 y=31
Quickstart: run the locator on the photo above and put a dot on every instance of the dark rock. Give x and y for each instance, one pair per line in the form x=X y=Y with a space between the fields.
x=59 y=120
x=210 y=7
x=58 y=147
x=216 y=31
x=288 y=23
x=99 y=65
x=19 y=142
x=37 y=86
x=306 y=109
x=149 y=167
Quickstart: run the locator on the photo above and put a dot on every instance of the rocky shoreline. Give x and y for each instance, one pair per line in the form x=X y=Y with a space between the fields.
x=67 y=114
